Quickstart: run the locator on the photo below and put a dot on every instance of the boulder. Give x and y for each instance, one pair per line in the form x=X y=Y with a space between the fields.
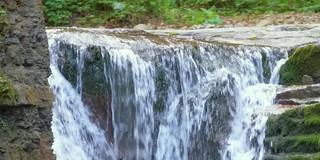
x=303 y=66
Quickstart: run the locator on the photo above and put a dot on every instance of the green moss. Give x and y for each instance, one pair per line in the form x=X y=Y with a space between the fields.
x=304 y=61
x=312 y=110
x=3 y=24
x=312 y=120
x=7 y=91
x=296 y=144
x=294 y=122
x=295 y=156
x=294 y=131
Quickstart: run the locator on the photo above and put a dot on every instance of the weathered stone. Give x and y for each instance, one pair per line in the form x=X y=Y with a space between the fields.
x=264 y=22
x=292 y=35
x=306 y=80
x=298 y=95
x=143 y=27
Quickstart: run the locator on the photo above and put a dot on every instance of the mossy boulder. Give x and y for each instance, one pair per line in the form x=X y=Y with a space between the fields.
x=304 y=61
x=294 y=134
x=295 y=122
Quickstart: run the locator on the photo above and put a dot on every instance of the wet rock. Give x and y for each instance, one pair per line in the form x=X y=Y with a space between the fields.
x=298 y=95
x=306 y=80
x=287 y=102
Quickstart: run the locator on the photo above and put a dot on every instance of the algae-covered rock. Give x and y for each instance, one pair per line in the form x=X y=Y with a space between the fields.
x=294 y=134
x=295 y=122
x=305 y=61
x=313 y=156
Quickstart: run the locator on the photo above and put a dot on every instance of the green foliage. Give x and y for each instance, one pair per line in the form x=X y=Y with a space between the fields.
x=304 y=61
x=183 y=12
x=276 y=5
x=7 y=91
x=3 y=24
x=100 y=12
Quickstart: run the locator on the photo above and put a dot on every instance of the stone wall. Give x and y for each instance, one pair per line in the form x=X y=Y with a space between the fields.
x=26 y=100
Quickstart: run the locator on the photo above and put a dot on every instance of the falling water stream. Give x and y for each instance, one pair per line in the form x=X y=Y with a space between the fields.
x=134 y=99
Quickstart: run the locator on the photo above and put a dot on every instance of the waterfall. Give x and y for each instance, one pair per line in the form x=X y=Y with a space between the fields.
x=134 y=98
x=75 y=135
x=249 y=119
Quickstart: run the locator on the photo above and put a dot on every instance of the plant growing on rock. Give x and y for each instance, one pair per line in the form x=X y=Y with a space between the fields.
x=3 y=24
x=7 y=91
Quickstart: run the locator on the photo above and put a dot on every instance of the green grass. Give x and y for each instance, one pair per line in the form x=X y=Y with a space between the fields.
x=179 y=12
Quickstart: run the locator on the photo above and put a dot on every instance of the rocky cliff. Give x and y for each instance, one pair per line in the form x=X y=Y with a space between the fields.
x=25 y=98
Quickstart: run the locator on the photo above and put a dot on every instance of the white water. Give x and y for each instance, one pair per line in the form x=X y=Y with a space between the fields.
x=249 y=120
x=128 y=69
x=75 y=135
x=232 y=76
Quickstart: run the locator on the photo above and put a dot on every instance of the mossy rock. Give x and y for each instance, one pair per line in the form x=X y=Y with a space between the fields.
x=295 y=156
x=295 y=144
x=8 y=94
x=294 y=122
x=304 y=61
x=294 y=134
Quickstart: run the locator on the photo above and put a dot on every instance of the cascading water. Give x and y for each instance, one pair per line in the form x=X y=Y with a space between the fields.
x=75 y=135
x=249 y=119
x=119 y=98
